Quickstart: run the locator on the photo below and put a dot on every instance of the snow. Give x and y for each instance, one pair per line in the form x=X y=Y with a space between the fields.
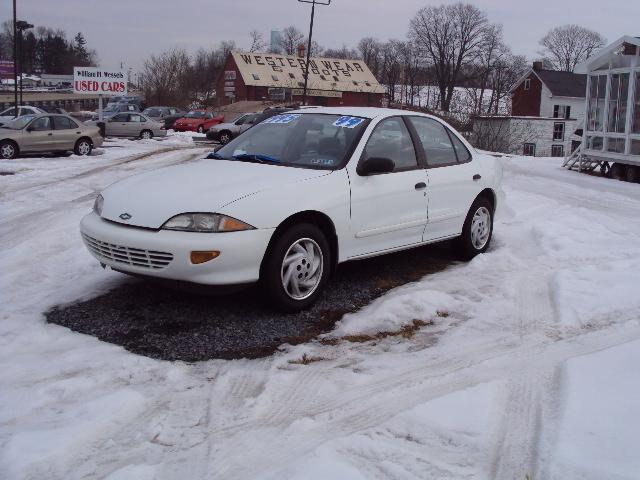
x=529 y=366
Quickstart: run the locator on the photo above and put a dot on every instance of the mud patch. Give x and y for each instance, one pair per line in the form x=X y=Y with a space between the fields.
x=157 y=322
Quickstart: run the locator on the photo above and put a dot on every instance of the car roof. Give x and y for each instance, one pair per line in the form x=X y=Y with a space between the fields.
x=365 y=112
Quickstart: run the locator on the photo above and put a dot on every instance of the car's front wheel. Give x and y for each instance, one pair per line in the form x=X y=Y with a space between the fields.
x=297 y=267
x=146 y=134
x=477 y=229
x=225 y=137
x=8 y=150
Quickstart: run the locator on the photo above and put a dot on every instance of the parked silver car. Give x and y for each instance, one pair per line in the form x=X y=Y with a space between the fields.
x=133 y=125
x=10 y=113
x=225 y=132
x=47 y=133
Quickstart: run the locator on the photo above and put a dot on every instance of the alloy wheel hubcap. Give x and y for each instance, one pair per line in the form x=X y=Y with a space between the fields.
x=7 y=151
x=302 y=269
x=146 y=135
x=480 y=228
x=84 y=148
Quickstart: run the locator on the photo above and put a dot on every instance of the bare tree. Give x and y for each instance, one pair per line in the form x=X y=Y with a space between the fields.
x=290 y=39
x=449 y=37
x=344 y=53
x=369 y=49
x=164 y=78
x=568 y=45
x=257 y=41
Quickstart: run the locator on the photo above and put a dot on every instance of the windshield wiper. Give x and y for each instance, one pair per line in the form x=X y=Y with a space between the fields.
x=256 y=157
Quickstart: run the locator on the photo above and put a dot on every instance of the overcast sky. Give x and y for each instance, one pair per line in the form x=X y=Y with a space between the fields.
x=129 y=30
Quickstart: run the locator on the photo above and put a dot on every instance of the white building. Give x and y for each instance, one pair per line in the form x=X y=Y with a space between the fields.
x=547 y=108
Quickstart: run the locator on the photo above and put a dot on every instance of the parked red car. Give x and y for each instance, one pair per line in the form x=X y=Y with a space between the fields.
x=197 y=121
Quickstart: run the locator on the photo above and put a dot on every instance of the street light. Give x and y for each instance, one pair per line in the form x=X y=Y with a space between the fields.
x=313 y=13
x=21 y=26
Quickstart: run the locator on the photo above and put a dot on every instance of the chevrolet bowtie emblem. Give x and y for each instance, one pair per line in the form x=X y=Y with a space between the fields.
x=125 y=216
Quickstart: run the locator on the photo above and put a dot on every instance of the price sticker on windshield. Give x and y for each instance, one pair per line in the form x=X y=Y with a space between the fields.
x=348 y=122
x=283 y=119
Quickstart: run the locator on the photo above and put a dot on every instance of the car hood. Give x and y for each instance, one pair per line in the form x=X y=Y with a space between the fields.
x=224 y=126
x=150 y=199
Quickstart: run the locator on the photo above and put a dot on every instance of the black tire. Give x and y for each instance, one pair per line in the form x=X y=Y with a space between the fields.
x=146 y=134
x=225 y=137
x=633 y=174
x=201 y=129
x=274 y=272
x=83 y=147
x=618 y=171
x=472 y=243
x=9 y=150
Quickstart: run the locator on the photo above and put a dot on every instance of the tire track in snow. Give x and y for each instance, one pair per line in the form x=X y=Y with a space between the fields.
x=516 y=450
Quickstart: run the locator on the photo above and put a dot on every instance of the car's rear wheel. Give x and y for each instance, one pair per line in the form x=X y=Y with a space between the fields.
x=225 y=137
x=83 y=147
x=201 y=129
x=297 y=267
x=477 y=229
x=8 y=150
x=146 y=134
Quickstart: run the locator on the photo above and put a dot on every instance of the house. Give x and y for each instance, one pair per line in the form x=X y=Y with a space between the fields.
x=265 y=76
x=547 y=108
x=612 y=131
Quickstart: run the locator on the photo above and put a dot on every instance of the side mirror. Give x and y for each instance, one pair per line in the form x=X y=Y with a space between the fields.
x=374 y=165
x=30 y=128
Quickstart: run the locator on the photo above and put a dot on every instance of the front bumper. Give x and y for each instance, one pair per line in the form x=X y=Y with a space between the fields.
x=166 y=254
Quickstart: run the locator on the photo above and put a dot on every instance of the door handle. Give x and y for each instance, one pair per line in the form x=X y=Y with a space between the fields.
x=49 y=134
x=421 y=186
x=477 y=177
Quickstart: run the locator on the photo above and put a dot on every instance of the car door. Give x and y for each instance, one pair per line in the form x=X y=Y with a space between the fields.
x=65 y=132
x=118 y=125
x=39 y=136
x=134 y=125
x=388 y=210
x=453 y=177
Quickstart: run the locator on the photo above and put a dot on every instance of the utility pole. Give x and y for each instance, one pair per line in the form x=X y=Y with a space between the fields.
x=21 y=26
x=15 y=60
x=313 y=13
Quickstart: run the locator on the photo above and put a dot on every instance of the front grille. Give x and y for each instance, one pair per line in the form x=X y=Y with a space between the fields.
x=136 y=257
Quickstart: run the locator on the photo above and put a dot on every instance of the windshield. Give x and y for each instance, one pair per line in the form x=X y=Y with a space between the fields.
x=112 y=107
x=302 y=140
x=195 y=115
x=19 y=123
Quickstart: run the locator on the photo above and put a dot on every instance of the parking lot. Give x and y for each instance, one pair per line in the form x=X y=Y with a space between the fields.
x=403 y=357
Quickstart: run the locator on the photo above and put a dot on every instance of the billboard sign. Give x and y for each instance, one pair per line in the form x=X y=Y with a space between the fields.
x=99 y=81
x=6 y=67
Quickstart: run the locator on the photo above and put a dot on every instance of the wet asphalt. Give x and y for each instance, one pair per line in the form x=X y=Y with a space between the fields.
x=150 y=319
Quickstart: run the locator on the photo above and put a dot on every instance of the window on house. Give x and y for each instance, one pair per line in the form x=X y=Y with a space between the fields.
x=274 y=77
x=594 y=143
x=322 y=77
x=367 y=84
x=615 y=145
x=561 y=111
x=527 y=84
x=597 y=92
x=635 y=117
x=529 y=149
x=255 y=76
x=557 y=150
x=355 y=83
x=336 y=78
x=558 y=131
x=291 y=75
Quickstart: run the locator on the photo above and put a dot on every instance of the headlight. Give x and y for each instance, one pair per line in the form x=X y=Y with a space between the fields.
x=97 y=205
x=205 y=222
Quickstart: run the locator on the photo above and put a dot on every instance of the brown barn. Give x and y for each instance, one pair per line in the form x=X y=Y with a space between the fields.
x=265 y=76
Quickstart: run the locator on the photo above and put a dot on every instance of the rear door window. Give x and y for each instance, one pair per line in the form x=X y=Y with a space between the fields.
x=64 y=123
x=435 y=142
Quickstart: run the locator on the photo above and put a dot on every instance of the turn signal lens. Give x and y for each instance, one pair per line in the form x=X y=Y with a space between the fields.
x=203 y=257
x=230 y=224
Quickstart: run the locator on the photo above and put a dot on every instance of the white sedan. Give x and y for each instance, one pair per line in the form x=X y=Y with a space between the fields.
x=291 y=198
